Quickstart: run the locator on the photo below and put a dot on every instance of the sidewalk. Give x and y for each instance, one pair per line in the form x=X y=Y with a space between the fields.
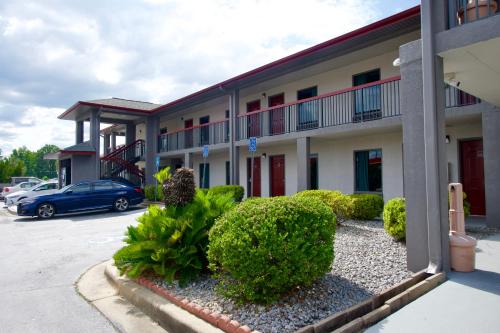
x=467 y=302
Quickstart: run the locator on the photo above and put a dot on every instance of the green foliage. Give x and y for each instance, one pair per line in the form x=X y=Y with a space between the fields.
x=395 y=218
x=163 y=175
x=265 y=247
x=10 y=167
x=154 y=192
x=34 y=163
x=180 y=189
x=340 y=203
x=366 y=206
x=236 y=191
x=466 y=206
x=172 y=241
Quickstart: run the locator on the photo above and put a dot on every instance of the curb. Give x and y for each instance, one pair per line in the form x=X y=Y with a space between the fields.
x=376 y=308
x=172 y=313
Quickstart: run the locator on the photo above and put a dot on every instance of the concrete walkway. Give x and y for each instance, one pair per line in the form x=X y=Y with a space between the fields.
x=467 y=302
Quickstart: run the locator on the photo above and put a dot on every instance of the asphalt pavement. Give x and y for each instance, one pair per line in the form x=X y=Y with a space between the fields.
x=42 y=259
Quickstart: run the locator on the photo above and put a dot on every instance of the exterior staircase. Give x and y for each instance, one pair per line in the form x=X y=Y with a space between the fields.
x=121 y=163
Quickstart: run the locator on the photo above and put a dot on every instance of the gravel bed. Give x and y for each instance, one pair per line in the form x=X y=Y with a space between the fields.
x=367 y=261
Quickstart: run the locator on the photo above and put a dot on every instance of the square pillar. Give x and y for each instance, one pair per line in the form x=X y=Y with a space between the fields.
x=491 y=155
x=188 y=160
x=234 y=151
x=130 y=133
x=79 y=132
x=95 y=140
x=113 y=141
x=152 y=132
x=303 y=165
x=107 y=143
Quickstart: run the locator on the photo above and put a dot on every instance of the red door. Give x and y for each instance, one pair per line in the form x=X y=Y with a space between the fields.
x=277 y=175
x=472 y=174
x=253 y=119
x=255 y=184
x=188 y=134
x=277 y=116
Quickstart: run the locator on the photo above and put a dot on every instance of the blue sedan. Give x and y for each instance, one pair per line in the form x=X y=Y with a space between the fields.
x=84 y=196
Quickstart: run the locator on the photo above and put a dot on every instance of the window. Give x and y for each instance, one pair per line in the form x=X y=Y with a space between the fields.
x=103 y=186
x=204 y=175
x=228 y=173
x=313 y=168
x=367 y=100
x=308 y=111
x=81 y=188
x=368 y=170
x=204 y=131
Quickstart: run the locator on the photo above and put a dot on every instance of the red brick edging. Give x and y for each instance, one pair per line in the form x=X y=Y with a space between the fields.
x=222 y=322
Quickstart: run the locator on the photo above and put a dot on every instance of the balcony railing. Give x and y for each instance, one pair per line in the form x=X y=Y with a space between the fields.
x=353 y=105
x=455 y=97
x=465 y=11
x=196 y=136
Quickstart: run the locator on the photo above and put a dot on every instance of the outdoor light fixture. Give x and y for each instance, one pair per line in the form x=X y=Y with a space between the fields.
x=264 y=155
x=396 y=62
x=447 y=139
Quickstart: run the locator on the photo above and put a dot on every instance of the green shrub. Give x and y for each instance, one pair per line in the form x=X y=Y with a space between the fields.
x=366 y=206
x=172 y=241
x=151 y=194
x=395 y=218
x=466 y=205
x=236 y=191
x=265 y=247
x=340 y=204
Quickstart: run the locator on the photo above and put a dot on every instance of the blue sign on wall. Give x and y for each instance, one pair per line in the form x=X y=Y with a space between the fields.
x=252 y=144
x=205 y=151
x=157 y=161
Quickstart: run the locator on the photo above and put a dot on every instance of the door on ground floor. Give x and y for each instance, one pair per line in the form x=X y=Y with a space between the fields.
x=277 y=175
x=472 y=174
x=253 y=178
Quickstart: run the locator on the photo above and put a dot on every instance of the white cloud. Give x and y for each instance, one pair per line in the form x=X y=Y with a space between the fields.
x=55 y=52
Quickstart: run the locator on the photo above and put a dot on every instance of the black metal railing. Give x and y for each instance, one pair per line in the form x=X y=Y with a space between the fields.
x=357 y=104
x=122 y=162
x=466 y=11
x=197 y=136
x=455 y=97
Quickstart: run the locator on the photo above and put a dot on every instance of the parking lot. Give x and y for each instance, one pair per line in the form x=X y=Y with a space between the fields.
x=42 y=259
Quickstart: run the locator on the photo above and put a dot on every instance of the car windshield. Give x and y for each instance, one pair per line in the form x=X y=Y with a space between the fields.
x=34 y=188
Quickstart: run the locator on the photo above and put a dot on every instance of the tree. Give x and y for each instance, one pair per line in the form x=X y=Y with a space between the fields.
x=34 y=162
x=27 y=157
x=10 y=167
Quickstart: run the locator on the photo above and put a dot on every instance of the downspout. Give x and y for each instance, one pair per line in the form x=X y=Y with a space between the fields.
x=431 y=154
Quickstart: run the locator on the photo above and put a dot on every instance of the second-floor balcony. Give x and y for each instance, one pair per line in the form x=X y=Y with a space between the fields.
x=364 y=103
x=367 y=102
x=196 y=136
x=466 y=11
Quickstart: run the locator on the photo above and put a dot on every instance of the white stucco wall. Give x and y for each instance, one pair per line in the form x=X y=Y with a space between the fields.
x=217 y=163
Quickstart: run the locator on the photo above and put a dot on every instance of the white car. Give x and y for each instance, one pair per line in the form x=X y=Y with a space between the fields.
x=19 y=187
x=40 y=189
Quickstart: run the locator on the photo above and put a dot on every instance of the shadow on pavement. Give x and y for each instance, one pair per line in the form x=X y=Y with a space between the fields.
x=82 y=216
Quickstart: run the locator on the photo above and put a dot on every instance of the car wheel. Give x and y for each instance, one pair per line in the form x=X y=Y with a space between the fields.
x=121 y=204
x=45 y=211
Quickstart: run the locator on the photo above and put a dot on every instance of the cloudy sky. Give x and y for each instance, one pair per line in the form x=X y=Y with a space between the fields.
x=56 y=52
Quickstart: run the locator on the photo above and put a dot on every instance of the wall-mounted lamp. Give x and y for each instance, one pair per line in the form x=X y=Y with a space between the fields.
x=447 y=139
x=264 y=155
x=264 y=95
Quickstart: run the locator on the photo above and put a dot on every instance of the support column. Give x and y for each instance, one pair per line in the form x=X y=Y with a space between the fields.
x=130 y=133
x=79 y=132
x=491 y=142
x=234 y=151
x=434 y=144
x=152 y=132
x=107 y=143
x=303 y=165
x=95 y=139
x=113 y=141
x=188 y=160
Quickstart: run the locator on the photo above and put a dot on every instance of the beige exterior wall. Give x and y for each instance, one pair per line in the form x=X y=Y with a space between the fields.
x=457 y=133
x=217 y=163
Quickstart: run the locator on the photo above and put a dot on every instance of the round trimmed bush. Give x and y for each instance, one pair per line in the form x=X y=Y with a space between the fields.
x=340 y=203
x=395 y=218
x=236 y=191
x=366 y=206
x=265 y=247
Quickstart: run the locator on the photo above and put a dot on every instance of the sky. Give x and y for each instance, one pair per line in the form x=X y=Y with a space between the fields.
x=54 y=53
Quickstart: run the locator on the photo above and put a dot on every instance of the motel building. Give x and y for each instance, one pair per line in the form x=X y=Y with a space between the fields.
x=398 y=108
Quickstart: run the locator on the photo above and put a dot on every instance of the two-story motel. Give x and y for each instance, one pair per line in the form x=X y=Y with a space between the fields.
x=347 y=114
